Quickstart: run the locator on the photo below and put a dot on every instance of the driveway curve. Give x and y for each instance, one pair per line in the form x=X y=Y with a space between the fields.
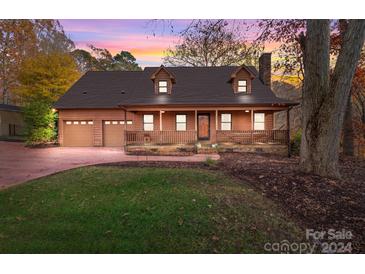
x=19 y=164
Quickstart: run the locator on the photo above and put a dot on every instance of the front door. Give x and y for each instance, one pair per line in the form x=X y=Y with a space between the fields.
x=203 y=127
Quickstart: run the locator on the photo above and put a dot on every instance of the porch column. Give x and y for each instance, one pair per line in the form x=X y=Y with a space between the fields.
x=216 y=119
x=160 y=135
x=288 y=130
x=252 y=119
x=195 y=125
x=252 y=126
x=160 y=120
x=125 y=128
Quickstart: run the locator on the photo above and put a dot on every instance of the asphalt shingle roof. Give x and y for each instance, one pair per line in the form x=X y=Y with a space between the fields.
x=9 y=107
x=194 y=86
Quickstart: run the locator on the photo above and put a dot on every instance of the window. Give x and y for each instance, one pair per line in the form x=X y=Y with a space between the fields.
x=148 y=122
x=79 y=122
x=180 y=122
x=242 y=86
x=259 y=121
x=226 y=121
x=129 y=122
x=162 y=86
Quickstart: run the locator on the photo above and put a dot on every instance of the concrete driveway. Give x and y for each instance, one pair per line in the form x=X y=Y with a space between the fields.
x=19 y=164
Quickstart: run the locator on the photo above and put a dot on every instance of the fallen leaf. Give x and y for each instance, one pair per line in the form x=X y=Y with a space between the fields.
x=215 y=238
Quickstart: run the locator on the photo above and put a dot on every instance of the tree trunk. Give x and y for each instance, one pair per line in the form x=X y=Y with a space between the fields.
x=348 y=130
x=363 y=118
x=324 y=101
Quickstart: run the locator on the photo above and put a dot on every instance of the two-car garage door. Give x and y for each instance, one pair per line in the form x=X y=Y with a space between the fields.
x=81 y=133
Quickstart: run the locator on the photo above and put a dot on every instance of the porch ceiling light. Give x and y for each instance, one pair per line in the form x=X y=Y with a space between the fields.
x=247 y=110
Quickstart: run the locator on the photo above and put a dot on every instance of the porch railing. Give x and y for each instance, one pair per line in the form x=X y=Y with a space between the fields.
x=172 y=137
x=160 y=137
x=252 y=136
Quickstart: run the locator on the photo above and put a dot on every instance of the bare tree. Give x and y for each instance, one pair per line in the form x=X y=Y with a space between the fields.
x=289 y=33
x=325 y=97
x=212 y=43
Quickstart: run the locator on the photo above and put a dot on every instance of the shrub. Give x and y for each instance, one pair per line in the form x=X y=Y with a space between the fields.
x=210 y=162
x=295 y=143
x=39 y=122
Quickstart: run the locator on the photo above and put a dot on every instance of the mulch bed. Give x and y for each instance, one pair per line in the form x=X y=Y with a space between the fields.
x=43 y=145
x=312 y=201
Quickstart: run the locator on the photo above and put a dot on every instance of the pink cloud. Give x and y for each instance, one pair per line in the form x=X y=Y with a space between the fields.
x=135 y=36
x=145 y=49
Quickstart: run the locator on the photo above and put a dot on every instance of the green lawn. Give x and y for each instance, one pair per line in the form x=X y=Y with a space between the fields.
x=138 y=210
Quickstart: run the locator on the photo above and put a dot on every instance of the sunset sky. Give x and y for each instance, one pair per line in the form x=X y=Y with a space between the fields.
x=135 y=36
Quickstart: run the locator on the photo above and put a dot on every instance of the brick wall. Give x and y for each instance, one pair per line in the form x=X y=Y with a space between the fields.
x=265 y=68
x=241 y=120
x=96 y=115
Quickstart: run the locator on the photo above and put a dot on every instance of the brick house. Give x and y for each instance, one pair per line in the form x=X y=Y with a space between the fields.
x=174 y=106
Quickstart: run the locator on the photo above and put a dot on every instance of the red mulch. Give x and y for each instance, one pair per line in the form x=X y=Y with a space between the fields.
x=313 y=201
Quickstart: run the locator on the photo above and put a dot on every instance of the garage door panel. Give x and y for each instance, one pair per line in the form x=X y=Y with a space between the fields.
x=78 y=134
x=113 y=133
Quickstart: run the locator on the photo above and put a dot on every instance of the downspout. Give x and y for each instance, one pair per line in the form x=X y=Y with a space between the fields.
x=125 y=127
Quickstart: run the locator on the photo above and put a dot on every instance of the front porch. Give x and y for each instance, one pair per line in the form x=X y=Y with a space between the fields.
x=186 y=143
x=190 y=130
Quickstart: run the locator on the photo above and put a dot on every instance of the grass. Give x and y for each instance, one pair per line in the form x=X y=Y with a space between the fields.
x=138 y=210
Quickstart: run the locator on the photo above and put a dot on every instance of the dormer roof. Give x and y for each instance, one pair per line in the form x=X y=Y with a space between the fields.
x=162 y=67
x=243 y=67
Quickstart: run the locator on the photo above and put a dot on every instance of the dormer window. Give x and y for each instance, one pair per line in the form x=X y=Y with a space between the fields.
x=241 y=80
x=242 y=86
x=162 y=86
x=163 y=81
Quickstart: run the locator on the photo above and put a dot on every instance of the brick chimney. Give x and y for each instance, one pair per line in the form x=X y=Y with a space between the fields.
x=265 y=68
